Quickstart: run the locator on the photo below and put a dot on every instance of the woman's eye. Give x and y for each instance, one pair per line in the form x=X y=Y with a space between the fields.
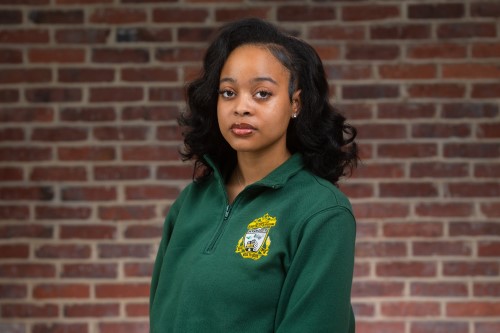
x=263 y=94
x=226 y=93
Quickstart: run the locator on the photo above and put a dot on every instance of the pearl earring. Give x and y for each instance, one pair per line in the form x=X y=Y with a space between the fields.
x=294 y=115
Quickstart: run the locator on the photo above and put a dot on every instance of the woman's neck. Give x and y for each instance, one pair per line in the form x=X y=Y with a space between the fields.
x=253 y=167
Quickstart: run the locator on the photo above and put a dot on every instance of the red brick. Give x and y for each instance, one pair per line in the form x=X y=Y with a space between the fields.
x=437 y=90
x=121 y=172
x=89 y=310
x=381 y=249
x=174 y=172
x=380 y=210
x=68 y=290
x=305 y=13
x=117 y=56
x=82 y=36
x=116 y=94
x=407 y=71
x=56 y=16
x=475 y=189
x=491 y=209
x=122 y=290
x=441 y=130
x=88 y=114
x=149 y=153
x=123 y=327
x=469 y=110
x=13 y=291
x=176 y=15
x=27 y=271
x=38 y=114
x=32 y=75
x=87 y=232
x=118 y=16
x=401 y=31
x=23 y=310
x=439 y=327
x=487 y=289
x=150 y=192
x=86 y=154
x=452 y=209
x=476 y=228
x=486 y=327
x=369 y=12
x=115 y=250
x=60 y=251
x=438 y=170
x=123 y=133
x=92 y=271
x=466 y=30
x=357 y=190
x=381 y=131
x=14 y=212
x=439 y=289
x=486 y=50
x=380 y=327
x=179 y=54
x=55 y=173
x=406 y=269
x=410 y=309
x=11 y=16
x=81 y=2
x=337 y=32
x=472 y=150
x=25 y=154
x=93 y=193
x=8 y=251
x=415 y=229
x=377 y=289
x=225 y=15
x=407 y=150
x=59 y=134
x=158 y=113
x=406 y=110
x=348 y=72
x=490 y=130
x=137 y=310
x=473 y=309
x=10 y=56
x=11 y=134
x=486 y=90
x=61 y=212
x=489 y=249
x=167 y=94
x=366 y=230
x=9 y=95
x=169 y=133
x=370 y=91
x=371 y=52
x=10 y=174
x=475 y=268
x=363 y=310
x=485 y=9
x=153 y=74
x=56 y=55
x=442 y=248
x=407 y=190
x=53 y=95
x=25 y=231
x=436 y=11
x=85 y=75
x=441 y=50
x=139 y=269
x=24 y=36
x=361 y=270
x=471 y=71
x=134 y=34
x=60 y=328
x=128 y=212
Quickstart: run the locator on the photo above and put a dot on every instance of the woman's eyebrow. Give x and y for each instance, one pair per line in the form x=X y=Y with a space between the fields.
x=254 y=80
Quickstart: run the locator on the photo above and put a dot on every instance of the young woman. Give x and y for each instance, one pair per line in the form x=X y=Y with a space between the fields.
x=262 y=240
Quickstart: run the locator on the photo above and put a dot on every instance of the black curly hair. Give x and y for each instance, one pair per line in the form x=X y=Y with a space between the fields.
x=320 y=133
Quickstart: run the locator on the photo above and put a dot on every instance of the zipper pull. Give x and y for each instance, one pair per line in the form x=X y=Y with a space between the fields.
x=228 y=210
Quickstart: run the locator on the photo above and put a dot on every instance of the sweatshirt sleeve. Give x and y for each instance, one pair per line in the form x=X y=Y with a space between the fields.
x=316 y=292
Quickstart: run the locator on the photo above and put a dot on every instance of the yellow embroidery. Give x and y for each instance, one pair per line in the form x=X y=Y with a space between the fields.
x=256 y=242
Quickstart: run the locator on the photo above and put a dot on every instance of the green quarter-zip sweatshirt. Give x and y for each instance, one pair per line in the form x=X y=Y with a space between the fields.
x=278 y=259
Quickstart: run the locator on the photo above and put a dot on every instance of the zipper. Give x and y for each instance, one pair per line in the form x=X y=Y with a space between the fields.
x=220 y=230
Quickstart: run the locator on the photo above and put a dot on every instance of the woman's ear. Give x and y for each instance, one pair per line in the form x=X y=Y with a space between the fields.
x=296 y=104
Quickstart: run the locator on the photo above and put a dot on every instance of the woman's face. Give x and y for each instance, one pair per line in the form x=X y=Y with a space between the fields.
x=254 y=106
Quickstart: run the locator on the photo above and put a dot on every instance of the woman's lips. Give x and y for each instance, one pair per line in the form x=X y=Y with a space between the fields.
x=242 y=129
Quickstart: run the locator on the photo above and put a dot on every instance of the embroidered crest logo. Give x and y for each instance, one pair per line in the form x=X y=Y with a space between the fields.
x=255 y=243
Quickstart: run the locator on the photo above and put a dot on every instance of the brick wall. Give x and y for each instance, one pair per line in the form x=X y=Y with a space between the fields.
x=89 y=93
